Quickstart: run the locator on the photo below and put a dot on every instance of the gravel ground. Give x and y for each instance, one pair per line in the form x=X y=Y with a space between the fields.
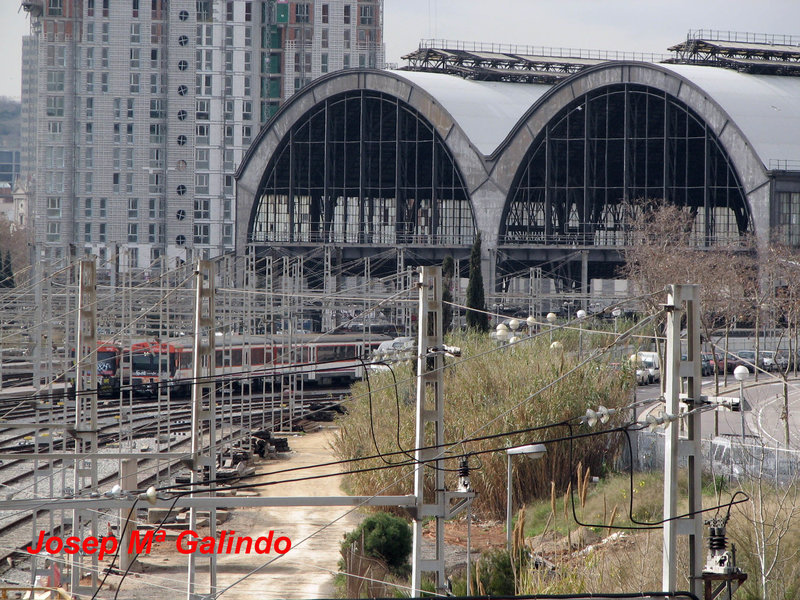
x=306 y=571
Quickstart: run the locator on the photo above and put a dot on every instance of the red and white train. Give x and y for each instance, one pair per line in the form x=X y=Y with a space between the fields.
x=323 y=359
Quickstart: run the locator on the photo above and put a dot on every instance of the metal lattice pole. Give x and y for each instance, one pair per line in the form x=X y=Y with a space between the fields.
x=85 y=431
x=204 y=420
x=430 y=410
x=683 y=300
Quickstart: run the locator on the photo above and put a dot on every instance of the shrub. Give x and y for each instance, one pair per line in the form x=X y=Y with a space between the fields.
x=386 y=537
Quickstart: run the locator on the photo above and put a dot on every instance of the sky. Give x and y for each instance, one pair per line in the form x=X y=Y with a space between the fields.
x=625 y=25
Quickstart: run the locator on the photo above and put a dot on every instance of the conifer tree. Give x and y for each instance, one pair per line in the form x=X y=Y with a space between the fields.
x=475 y=297
x=448 y=269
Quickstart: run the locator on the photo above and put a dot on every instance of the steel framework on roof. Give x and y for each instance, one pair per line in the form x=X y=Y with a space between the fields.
x=489 y=66
x=746 y=52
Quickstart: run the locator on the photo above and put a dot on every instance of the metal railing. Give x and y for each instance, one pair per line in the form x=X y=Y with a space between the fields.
x=371 y=239
x=777 y=164
x=728 y=456
x=720 y=35
x=542 y=50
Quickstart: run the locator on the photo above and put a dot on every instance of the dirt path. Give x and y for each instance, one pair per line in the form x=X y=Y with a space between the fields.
x=306 y=571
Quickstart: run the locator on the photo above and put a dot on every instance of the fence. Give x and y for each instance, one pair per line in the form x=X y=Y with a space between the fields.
x=727 y=456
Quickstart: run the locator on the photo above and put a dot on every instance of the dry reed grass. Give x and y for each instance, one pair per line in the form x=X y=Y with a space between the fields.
x=488 y=392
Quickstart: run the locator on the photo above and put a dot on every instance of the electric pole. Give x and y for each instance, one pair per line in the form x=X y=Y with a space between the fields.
x=85 y=426
x=430 y=410
x=204 y=418
x=683 y=300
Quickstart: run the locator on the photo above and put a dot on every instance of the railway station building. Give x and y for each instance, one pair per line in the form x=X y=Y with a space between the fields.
x=549 y=158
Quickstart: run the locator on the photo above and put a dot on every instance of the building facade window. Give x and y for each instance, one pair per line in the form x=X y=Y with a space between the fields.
x=55 y=106
x=202 y=233
x=301 y=13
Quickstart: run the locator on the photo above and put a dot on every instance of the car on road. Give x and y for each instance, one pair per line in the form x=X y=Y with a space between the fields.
x=748 y=359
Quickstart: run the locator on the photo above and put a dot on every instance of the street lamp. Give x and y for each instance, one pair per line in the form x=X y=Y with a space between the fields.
x=551 y=318
x=532 y=450
x=581 y=314
x=531 y=324
x=741 y=373
x=616 y=313
x=513 y=325
x=501 y=333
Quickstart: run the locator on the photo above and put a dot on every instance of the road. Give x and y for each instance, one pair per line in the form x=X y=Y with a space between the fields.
x=764 y=420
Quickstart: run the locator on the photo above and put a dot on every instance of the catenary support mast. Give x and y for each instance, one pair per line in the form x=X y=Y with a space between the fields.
x=430 y=428
x=683 y=301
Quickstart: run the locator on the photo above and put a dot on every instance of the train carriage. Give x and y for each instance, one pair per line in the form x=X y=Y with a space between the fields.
x=313 y=358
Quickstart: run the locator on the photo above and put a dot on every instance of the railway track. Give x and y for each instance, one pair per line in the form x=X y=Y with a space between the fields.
x=143 y=421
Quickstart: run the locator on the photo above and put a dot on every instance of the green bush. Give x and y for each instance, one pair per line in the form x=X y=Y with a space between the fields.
x=386 y=537
x=495 y=574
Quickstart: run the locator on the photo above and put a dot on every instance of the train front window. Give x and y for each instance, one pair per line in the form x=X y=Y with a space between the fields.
x=106 y=362
x=144 y=363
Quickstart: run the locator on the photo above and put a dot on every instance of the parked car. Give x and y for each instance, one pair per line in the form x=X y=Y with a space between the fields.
x=706 y=368
x=748 y=359
x=781 y=360
x=641 y=374
x=721 y=363
x=768 y=361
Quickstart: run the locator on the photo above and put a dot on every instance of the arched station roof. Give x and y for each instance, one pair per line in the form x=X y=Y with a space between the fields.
x=489 y=126
x=765 y=107
x=487 y=111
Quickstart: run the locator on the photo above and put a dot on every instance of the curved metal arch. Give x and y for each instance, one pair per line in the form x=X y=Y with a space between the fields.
x=362 y=167
x=618 y=143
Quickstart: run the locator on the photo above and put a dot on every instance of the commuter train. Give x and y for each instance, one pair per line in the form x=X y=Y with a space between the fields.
x=323 y=359
x=108 y=369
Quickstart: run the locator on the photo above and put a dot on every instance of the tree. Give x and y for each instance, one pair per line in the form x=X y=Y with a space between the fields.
x=765 y=537
x=663 y=250
x=15 y=243
x=476 y=302
x=448 y=271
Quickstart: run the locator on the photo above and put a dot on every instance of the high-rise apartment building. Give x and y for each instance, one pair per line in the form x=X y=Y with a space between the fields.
x=139 y=111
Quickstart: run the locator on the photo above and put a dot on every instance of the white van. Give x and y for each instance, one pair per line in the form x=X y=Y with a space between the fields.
x=394 y=350
x=650 y=362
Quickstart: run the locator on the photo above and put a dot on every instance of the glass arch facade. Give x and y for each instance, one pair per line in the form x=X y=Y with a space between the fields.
x=612 y=148
x=362 y=167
